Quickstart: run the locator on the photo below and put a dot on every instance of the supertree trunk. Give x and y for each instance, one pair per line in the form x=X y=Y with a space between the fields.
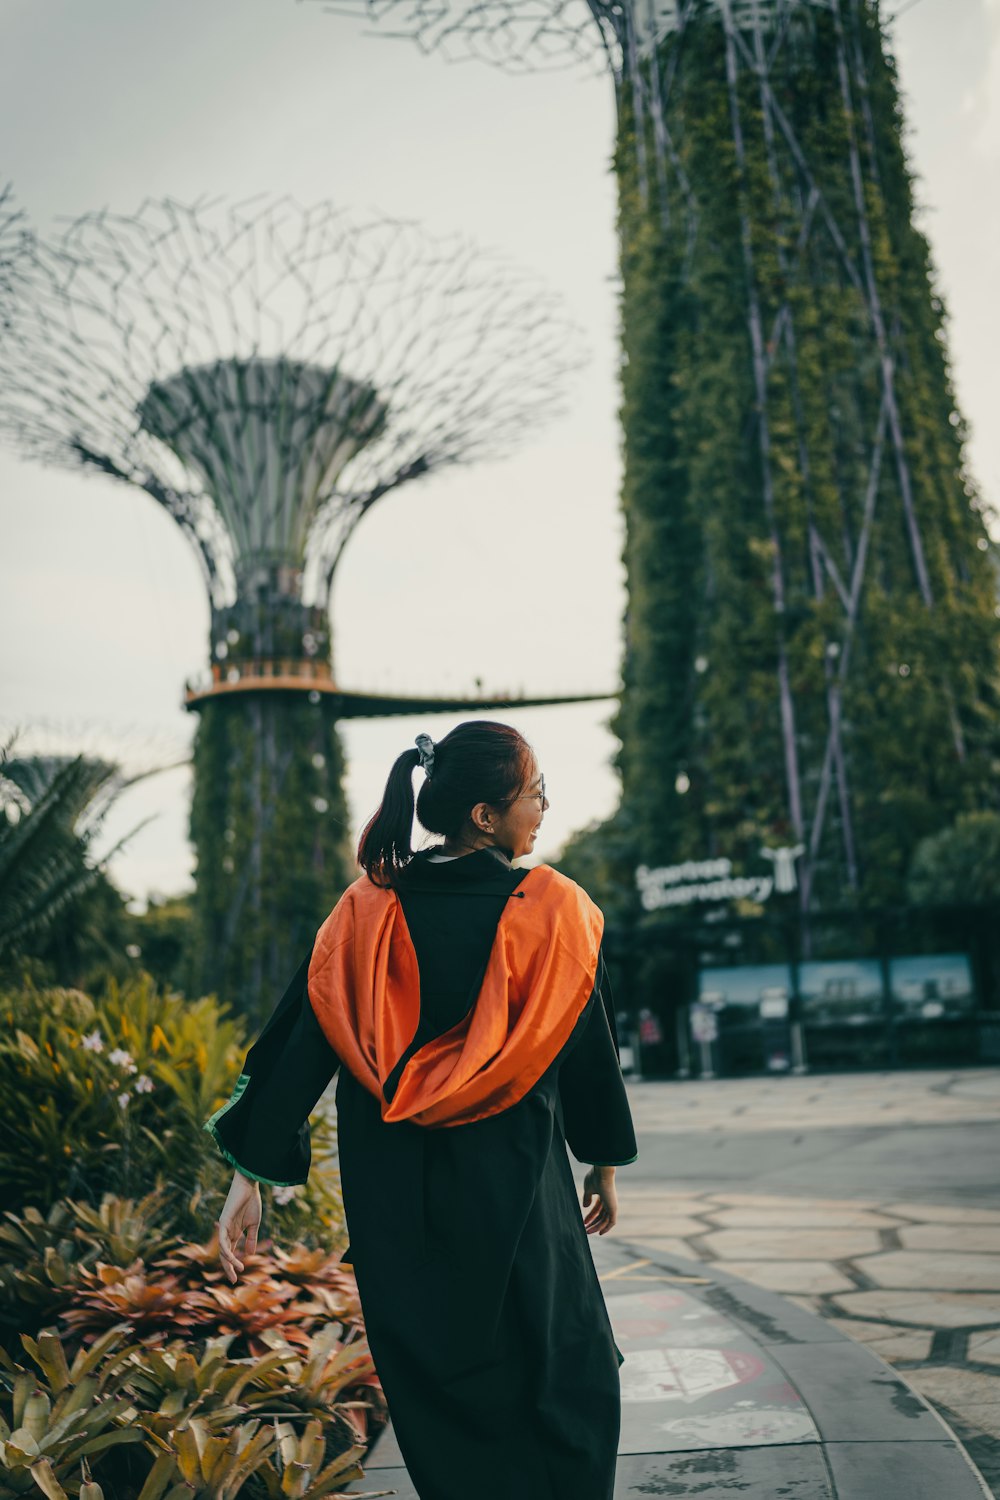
x=269 y=828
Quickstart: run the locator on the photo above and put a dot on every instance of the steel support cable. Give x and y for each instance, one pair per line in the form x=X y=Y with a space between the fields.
x=786 y=705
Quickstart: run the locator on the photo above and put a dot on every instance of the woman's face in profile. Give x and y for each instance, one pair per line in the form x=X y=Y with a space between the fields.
x=517 y=828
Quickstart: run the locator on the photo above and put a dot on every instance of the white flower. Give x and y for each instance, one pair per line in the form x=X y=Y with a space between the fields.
x=92 y=1042
x=123 y=1100
x=283 y=1195
x=123 y=1059
x=144 y=1084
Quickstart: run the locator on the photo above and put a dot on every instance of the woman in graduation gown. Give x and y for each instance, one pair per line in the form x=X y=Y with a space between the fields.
x=465 y=1005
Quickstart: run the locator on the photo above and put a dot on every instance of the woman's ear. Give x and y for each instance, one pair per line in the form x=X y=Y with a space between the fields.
x=482 y=817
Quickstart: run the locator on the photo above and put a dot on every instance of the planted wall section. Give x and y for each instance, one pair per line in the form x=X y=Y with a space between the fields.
x=811 y=628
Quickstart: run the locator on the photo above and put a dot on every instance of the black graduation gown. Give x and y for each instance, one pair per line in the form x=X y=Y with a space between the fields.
x=484 y=1315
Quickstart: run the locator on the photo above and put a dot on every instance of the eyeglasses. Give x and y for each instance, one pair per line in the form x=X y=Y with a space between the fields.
x=539 y=795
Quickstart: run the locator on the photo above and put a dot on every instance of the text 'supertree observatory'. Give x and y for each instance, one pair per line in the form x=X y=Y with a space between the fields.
x=811 y=635
x=266 y=373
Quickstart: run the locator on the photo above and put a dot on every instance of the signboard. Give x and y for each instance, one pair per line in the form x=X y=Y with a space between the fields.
x=932 y=986
x=746 y=984
x=841 y=991
x=698 y=880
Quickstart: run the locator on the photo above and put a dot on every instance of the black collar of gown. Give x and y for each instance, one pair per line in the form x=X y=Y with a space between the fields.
x=486 y=864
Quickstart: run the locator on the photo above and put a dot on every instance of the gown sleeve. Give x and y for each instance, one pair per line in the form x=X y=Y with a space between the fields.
x=596 y=1114
x=263 y=1130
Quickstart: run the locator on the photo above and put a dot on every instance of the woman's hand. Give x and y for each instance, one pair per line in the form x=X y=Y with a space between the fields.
x=599 y=1184
x=241 y=1214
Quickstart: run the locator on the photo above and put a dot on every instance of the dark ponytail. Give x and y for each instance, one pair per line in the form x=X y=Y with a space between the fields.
x=479 y=761
x=385 y=843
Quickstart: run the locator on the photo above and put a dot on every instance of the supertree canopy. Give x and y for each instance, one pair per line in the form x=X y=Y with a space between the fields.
x=811 y=634
x=266 y=373
x=14 y=240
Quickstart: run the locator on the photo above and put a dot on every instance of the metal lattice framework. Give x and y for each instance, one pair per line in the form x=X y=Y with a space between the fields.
x=642 y=44
x=528 y=36
x=266 y=372
x=14 y=241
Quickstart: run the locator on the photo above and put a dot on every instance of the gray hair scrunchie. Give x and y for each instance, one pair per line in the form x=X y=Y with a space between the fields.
x=425 y=745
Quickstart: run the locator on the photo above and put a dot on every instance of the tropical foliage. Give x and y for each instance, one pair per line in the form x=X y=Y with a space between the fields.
x=111 y=1094
x=129 y=1366
x=59 y=913
x=960 y=865
x=146 y=1378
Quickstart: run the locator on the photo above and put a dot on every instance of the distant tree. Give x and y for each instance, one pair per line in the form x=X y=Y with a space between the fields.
x=960 y=864
x=160 y=940
x=602 y=858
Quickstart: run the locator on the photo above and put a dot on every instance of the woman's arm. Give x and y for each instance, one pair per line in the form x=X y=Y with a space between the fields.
x=263 y=1129
x=596 y=1114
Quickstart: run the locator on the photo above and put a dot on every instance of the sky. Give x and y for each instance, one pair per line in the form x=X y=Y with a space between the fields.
x=508 y=572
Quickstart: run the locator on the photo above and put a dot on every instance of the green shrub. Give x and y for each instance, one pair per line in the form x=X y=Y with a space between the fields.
x=961 y=864
x=111 y=1094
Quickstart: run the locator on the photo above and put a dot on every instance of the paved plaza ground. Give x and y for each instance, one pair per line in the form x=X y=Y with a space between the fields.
x=872 y=1200
x=781 y=1244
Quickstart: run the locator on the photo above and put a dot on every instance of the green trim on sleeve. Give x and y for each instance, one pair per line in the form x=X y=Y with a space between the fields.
x=627 y=1163
x=210 y=1126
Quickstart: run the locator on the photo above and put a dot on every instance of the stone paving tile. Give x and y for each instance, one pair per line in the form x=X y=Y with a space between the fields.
x=794 y=1473
x=931 y=1269
x=936 y=1309
x=639 y=1224
x=985 y=1347
x=795 y=1216
x=873 y=1470
x=883 y=1100
x=634 y=1199
x=804 y=1244
x=789 y=1275
x=942 y=1213
x=978 y=1237
x=660 y=1242
x=966 y=1391
x=767 y=1200
x=888 y=1343
x=814 y=1305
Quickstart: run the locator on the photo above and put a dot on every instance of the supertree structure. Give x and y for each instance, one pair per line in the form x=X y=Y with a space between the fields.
x=266 y=373
x=811 y=635
x=14 y=240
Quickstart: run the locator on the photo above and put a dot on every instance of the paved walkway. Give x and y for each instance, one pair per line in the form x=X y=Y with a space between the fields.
x=729 y=1390
x=918 y=1282
x=788 y=1342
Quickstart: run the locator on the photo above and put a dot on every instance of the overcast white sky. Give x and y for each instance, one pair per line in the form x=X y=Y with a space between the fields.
x=509 y=572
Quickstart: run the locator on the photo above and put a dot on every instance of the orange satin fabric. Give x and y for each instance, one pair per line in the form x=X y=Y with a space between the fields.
x=364 y=987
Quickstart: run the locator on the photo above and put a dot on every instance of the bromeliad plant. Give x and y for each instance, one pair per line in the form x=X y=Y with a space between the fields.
x=165 y=1380
x=89 y=1270
x=139 y=1424
x=42 y=1257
